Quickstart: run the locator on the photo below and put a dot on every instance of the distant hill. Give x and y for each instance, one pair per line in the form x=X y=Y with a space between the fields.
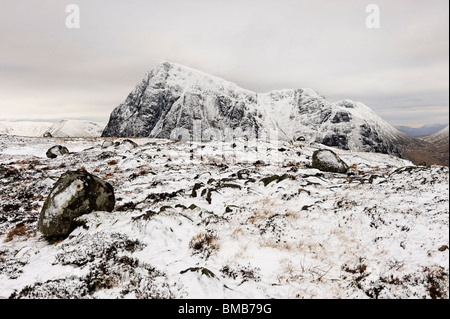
x=421 y=131
x=76 y=128
x=24 y=128
x=440 y=140
x=64 y=128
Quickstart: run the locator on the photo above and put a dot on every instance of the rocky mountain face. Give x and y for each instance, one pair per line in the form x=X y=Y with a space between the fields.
x=177 y=102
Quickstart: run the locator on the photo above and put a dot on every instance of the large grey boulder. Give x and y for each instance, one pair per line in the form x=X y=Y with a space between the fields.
x=75 y=193
x=328 y=161
x=57 y=150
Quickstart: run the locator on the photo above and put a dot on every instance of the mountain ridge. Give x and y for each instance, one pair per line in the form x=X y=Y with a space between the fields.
x=422 y=131
x=171 y=97
x=63 y=128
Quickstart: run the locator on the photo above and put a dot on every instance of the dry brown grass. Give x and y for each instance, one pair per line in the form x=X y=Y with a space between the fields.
x=259 y=216
x=292 y=214
x=278 y=245
x=21 y=162
x=108 y=176
x=239 y=231
x=204 y=243
x=143 y=172
x=18 y=231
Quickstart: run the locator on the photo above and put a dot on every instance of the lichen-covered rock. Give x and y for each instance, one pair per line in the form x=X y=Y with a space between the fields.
x=57 y=150
x=74 y=194
x=328 y=161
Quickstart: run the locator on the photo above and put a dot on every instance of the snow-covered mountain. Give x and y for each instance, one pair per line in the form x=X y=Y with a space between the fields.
x=64 y=128
x=174 y=101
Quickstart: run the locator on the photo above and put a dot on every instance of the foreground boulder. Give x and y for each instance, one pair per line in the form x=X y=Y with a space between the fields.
x=74 y=194
x=57 y=150
x=328 y=161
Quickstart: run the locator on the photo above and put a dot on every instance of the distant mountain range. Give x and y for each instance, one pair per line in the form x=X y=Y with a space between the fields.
x=64 y=128
x=425 y=130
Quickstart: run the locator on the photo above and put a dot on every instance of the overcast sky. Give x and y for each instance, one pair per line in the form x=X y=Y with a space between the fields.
x=400 y=70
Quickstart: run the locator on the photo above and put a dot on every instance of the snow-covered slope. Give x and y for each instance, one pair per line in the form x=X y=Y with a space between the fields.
x=76 y=128
x=64 y=128
x=440 y=144
x=223 y=220
x=24 y=128
x=173 y=100
x=440 y=137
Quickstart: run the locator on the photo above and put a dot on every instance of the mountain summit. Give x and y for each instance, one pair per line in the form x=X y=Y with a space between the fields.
x=174 y=101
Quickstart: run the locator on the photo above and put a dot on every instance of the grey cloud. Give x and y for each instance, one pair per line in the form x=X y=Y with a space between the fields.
x=261 y=45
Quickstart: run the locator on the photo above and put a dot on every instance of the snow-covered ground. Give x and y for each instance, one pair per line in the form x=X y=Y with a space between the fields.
x=217 y=220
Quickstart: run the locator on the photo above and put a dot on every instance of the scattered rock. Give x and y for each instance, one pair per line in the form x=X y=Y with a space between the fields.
x=201 y=270
x=197 y=186
x=409 y=169
x=422 y=163
x=107 y=143
x=277 y=178
x=48 y=134
x=328 y=161
x=75 y=193
x=128 y=144
x=57 y=150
